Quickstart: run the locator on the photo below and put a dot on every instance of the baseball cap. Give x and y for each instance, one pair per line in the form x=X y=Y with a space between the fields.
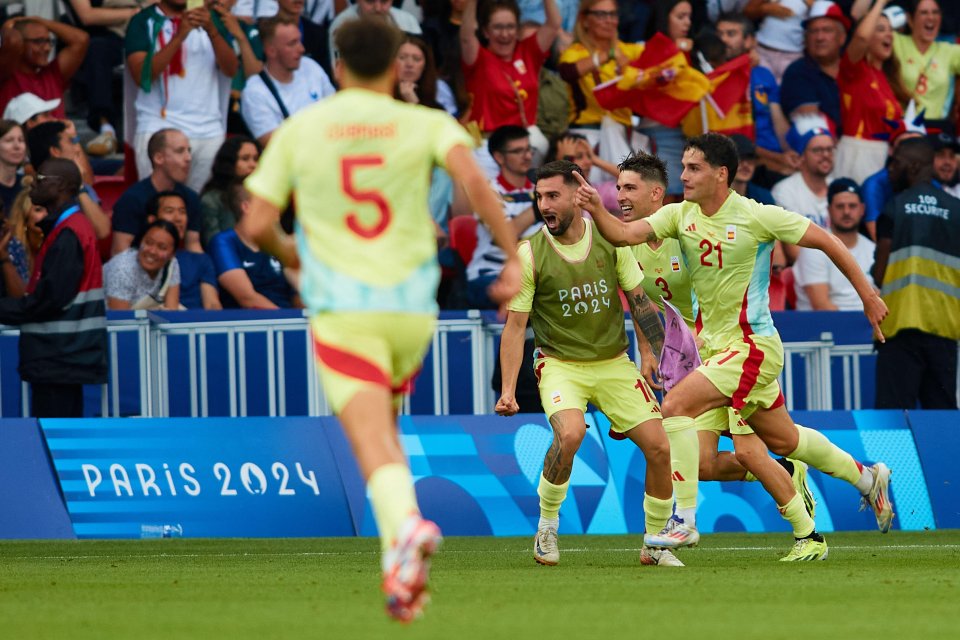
x=799 y=141
x=827 y=9
x=27 y=105
x=745 y=146
x=843 y=185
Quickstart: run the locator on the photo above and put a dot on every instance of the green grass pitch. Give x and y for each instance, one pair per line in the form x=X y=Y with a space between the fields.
x=899 y=586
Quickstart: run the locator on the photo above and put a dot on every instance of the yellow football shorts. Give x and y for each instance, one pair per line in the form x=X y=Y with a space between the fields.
x=614 y=386
x=356 y=350
x=746 y=371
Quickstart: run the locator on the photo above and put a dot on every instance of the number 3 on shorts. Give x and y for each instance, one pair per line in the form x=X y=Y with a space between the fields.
x=348 y=166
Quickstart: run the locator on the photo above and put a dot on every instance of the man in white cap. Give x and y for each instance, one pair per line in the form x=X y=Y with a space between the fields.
x=30 y=110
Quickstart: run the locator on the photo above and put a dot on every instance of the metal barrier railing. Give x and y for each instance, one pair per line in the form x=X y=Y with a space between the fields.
x=267 y=367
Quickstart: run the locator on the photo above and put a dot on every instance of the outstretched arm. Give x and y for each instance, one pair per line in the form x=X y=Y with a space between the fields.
x=469 y=43
x=650 y=333
x=873 y=306
x=616 y=231
x=511 y=357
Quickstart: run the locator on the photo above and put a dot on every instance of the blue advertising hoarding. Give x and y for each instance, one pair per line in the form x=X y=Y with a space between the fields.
x=475 y=475
x=242 y=477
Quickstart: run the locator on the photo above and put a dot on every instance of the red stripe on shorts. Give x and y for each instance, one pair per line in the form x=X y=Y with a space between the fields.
x=751 y=367
x=350 y=364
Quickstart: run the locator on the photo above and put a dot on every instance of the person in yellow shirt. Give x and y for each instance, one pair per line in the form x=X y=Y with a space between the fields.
x=595 y=57
x=358 y=166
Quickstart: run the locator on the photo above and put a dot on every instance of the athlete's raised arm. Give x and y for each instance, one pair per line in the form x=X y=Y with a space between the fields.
x=464 y=170
x=616 y=231
x=873 y=306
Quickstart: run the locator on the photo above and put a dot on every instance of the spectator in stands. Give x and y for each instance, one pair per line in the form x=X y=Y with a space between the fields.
x=441 y=31
x=147 y=275
x=597 y=56
x=249 y=278
x=55 y=140
x=502 y=77
x=235 y=160
x=182 y=66
x=673 y=19
x=405 y=21
x=245 y=39
x=26 y=65
x=417 y=81
x=928 y=66
x=918 y=253
x=170 y=157
x=780 y=36
x=820 y=286
x=769 y=122
x=30 y=110
x=198 y=280
x=871 y=94
x=805 y=192
x=13 y=153
x=743 y=181
x=20 y=242
x=106 y=26
x=876 y=189
x=809 y=85
x=945 y=165
x=63 y=328
x=575 y=148
x=313 y=24
x=288 y=82
x=510 y=148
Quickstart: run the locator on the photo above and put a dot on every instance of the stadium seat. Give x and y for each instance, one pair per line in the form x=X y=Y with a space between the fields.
x=463 y=236
x=109 y=189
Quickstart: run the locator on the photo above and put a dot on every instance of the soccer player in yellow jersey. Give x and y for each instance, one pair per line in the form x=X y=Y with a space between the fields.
x=569 y=293
x=727 y=240
x=640 y=190
x=358 y=165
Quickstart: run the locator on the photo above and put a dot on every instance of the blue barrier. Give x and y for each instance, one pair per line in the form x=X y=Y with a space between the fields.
x=475 y=475
x=187 y=363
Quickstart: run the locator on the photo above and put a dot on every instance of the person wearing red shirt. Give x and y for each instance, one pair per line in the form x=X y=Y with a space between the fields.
x=503 y=77
x=25 y=64
x=870 y=97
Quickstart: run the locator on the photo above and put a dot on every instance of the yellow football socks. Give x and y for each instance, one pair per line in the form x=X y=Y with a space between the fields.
x=684 y=464
x=796 y=514
x=391 y=493
x=817 y=451
x=551 y=497
x=656 y=512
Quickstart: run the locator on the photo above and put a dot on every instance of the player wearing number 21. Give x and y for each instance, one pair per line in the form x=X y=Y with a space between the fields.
x=569 y=293
x=726 y=240
x=358 y=165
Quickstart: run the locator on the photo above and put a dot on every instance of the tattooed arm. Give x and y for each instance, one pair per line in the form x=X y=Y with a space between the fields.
x=646 y=321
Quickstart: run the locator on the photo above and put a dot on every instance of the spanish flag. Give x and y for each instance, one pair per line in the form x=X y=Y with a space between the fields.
x=727 y=108
x=660 y=84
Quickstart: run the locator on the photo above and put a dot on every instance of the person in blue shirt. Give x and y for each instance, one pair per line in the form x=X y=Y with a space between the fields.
x=248 y=277
x=198 y=280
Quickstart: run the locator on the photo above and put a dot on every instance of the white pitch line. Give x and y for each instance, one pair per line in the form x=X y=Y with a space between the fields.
x=300 y=554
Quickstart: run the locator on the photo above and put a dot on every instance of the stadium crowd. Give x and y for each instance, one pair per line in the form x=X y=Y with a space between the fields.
x=176 y=99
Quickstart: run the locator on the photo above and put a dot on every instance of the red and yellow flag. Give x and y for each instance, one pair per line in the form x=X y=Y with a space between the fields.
x=727 y=108
x=660 y=84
